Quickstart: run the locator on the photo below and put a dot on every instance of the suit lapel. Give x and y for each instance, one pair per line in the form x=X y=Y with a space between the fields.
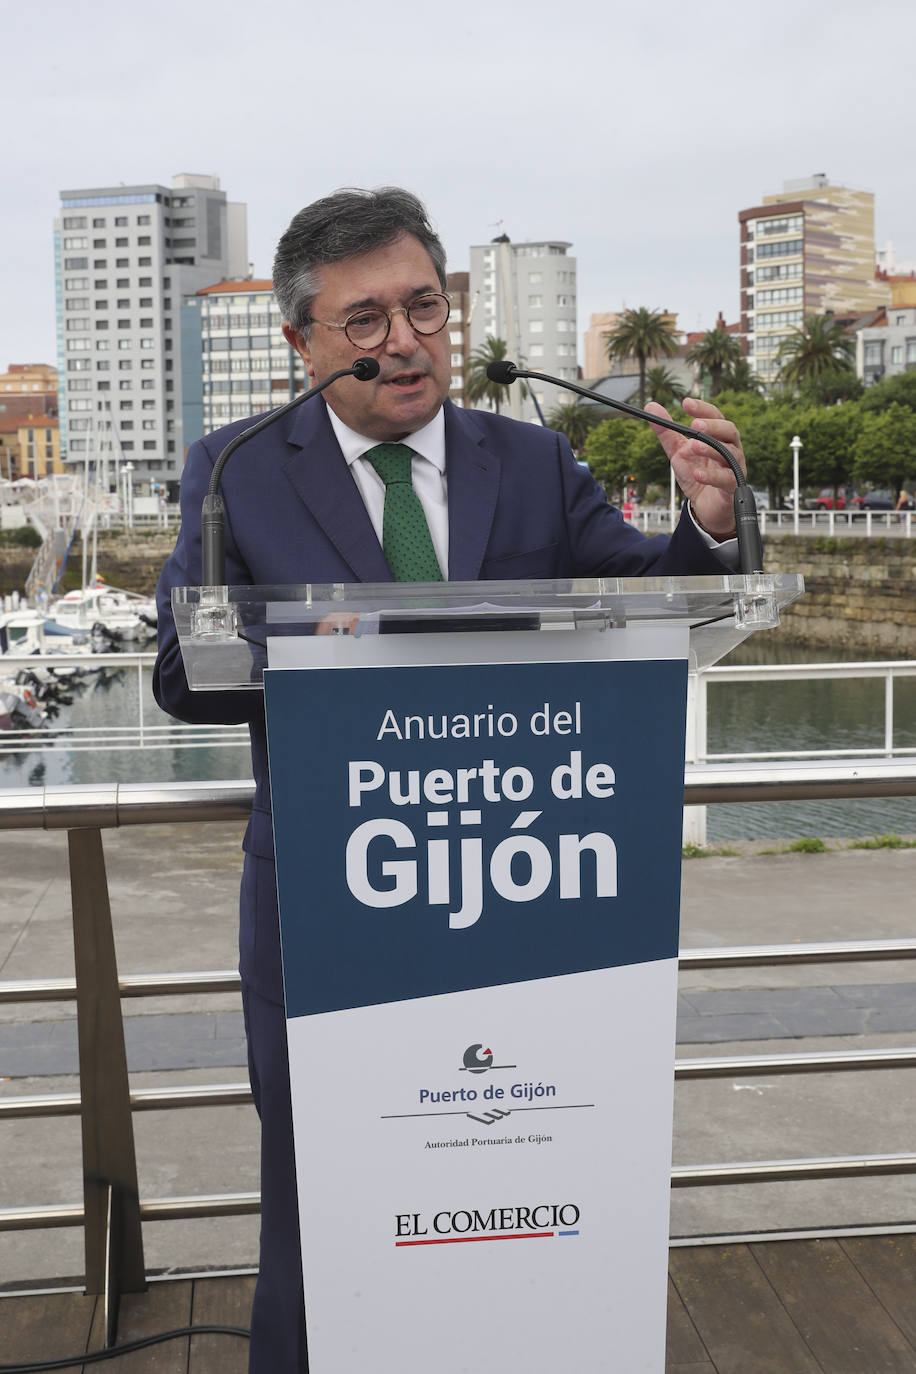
x=320 y=477
x=473 y=472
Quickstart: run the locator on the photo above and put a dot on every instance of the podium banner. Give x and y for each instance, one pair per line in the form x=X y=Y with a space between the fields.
x=478 y=874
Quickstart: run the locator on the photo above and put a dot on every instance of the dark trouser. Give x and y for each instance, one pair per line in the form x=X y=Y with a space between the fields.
x=278 y=1313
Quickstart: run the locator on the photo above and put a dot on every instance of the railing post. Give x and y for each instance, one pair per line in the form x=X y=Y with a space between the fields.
x=889 y=713
x=113 y=1237
x=695 y=751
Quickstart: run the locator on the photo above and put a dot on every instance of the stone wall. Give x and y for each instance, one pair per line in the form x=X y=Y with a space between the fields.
x=129 y=561
x=858 y=592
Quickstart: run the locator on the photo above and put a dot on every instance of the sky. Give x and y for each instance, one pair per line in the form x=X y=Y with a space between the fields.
x=635 y=132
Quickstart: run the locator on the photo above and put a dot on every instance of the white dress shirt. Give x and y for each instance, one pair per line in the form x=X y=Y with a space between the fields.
x=427 y=470
x=430 y=482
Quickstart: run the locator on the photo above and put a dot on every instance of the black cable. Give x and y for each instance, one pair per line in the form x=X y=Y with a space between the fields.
x=113 y=1352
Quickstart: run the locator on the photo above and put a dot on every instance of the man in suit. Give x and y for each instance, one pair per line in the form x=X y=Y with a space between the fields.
x=363 y=274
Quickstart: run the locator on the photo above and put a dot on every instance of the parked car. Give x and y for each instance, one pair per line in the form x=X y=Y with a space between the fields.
x=878 y=500
x=825 y=499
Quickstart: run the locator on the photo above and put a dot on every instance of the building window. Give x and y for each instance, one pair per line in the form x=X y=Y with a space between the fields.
x=79 y=365
x=535 y=326
x=535 y=278
x=147 y=343
x=121 y=262
x=144 y=241
x=147 y=384
x=121 y=222
x=146 y=302
x=75 y=264
x=75 y=243
x=897 y=354
x=99 y=243
x=101 y=324
x=123 y=344
x=103 y=366
x=75 y=222
x=146 y=324
x=146 y=281
x=101 y=284
x=77 y=303
x=911 y=351
x=126 y=405
x=125 y=365
x=74 y=326
x=122 y=242
x=125 y=386
x=98 y=224
x=76 y=284
x=564 y=300
x=124 y=324
x=143 y=219
x=143 y=262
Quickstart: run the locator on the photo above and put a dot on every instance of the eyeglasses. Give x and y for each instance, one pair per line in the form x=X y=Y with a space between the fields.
x=369 y=328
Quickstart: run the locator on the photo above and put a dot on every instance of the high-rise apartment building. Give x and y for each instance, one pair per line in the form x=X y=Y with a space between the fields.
x=244 y=365
x=125 y=257
x=808 y=250
x=457 y=284
x=525 y=294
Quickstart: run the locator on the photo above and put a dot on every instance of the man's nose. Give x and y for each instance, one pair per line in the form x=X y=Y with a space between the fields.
x=401 y=336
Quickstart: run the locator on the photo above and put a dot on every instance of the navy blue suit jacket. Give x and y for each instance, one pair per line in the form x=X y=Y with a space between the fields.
x=519 y=506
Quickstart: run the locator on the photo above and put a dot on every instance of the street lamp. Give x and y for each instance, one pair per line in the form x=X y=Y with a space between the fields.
x=795 y=445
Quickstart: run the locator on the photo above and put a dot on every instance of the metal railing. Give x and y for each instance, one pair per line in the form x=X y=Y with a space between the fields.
x=112 y=1211
x=151 y=729
x=856 y=523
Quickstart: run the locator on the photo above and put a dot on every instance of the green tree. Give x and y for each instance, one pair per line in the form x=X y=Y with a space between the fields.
x=642 y=334
x=478 y=386
x=829 y=435
x=664 y=387
x=900 y=388
x=714 y=353
x=885 y=452
x=575 y=420
x=821 y=346
x=610 y=450
x=831 y=389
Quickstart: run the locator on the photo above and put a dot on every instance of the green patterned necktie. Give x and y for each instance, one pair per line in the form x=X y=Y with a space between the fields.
x=406 y=539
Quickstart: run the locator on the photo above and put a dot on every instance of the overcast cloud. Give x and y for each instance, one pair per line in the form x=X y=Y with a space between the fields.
x=636 y=132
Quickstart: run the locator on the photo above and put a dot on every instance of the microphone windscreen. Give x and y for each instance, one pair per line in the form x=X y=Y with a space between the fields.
x=364 y=369
x=502 y=371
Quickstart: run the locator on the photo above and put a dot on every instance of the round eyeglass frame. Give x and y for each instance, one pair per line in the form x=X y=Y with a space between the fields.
x=398 y=309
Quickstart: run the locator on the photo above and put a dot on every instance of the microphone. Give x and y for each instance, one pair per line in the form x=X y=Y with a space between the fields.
x=212 y=512
x=750 y=546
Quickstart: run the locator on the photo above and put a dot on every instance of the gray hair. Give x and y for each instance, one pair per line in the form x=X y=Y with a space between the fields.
x=344 y=225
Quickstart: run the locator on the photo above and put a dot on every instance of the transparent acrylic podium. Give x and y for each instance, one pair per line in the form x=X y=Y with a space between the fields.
x=478 y=824
x=223 y=631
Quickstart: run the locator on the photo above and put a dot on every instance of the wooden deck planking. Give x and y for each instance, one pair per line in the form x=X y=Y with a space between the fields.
x=163 y=1307
x=889 y=1268
x=790 y=1307
x=835 y=1310
x=740 y=1320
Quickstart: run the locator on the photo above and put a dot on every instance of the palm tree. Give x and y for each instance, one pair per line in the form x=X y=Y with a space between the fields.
x=715 y=352
x=575 y=420
x=478 y=386
x=820 y=347
x=741 y=377
x=642 y=334
x=664 y=387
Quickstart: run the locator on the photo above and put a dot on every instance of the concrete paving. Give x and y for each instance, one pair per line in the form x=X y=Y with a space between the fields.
x=174 y=893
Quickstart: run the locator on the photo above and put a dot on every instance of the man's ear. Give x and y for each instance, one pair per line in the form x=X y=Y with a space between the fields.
x=299 y=342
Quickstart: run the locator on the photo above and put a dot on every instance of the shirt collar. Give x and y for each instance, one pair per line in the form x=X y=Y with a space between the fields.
x=429 y=441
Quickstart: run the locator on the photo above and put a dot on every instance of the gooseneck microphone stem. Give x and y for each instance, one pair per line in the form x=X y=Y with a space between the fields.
x=750 y=546
x=212 y=513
